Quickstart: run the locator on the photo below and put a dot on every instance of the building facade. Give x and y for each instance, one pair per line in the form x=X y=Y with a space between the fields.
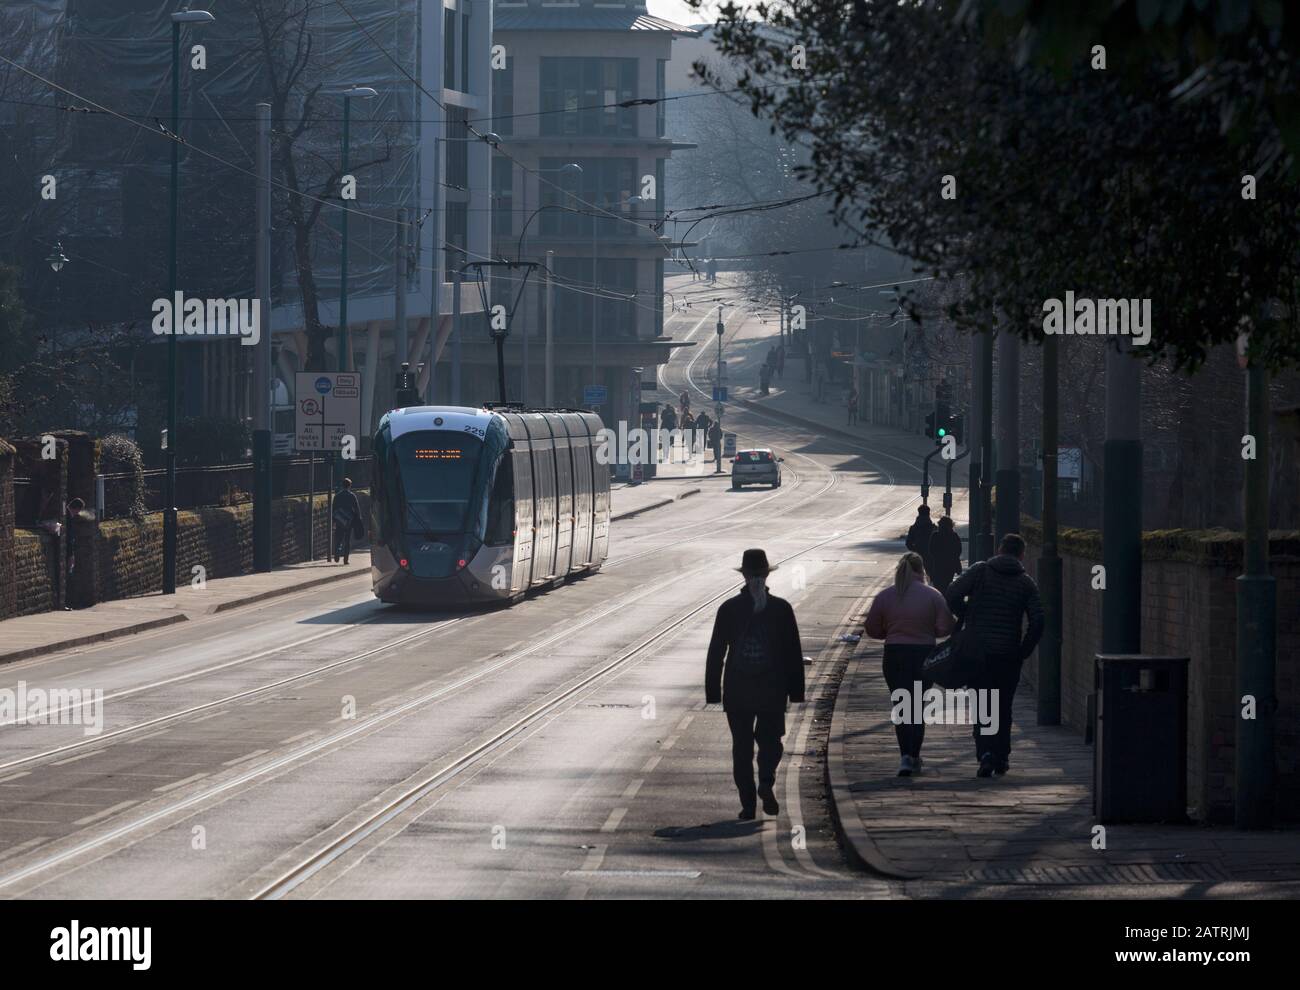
x=578 y=190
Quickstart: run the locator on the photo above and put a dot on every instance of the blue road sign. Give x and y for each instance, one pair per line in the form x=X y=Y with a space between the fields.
x=719 y=393
x=323 y=385
x=595 y=395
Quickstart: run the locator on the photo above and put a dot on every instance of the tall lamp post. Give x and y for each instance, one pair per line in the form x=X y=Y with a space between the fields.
x=169 y=489
x=341 y=337
x=56 y=260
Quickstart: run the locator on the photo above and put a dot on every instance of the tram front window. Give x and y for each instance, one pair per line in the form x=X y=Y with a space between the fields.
x=438 y=473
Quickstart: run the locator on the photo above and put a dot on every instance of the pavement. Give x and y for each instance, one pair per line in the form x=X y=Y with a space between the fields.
x=1032 y=827
x=50 y=632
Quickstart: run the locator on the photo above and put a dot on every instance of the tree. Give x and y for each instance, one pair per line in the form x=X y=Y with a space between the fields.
x=294 y=74
x=1104 y=184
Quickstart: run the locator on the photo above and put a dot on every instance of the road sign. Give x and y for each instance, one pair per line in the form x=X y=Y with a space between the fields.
x=282 y=443
x=595 y=395
x=719 y=393
x=728 y=445
x=328 y=408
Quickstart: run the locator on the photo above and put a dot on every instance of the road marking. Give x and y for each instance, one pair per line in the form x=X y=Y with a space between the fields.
x=651 y=763
x=151 y=735
x=300 y=735
x=684 y=874
x=686 y=720
x=74 y=759
x=180 y=783
x=104 y=814
x=632 y=788
x=668 y=743
x=15 y=776
x=241 y=759
x=15 y=850
x=614 y=818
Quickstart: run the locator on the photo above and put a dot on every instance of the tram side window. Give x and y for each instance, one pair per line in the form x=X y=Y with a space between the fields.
x=501 y=506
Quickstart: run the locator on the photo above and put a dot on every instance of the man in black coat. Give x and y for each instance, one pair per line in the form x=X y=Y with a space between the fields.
x=944 y=558
x=756 y=639
x=918 y=537
x=1000 y=595
x=346 y=511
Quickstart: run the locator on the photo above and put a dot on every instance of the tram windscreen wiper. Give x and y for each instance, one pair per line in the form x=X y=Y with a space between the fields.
x=428 y=530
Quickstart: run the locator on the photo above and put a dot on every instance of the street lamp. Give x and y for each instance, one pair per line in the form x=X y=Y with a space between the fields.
x=359 y=93
x=57 y=259
x=180 y=17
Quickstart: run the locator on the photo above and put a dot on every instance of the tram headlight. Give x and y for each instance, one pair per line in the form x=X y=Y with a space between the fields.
x=402 y=562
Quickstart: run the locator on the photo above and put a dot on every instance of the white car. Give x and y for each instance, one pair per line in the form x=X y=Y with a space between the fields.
x=755 y=466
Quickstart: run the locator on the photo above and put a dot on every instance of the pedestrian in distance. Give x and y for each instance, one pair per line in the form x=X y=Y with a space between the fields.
x=347 y=510
x=764 y=379
x=918 y=537
x=853 y=404
x=702 y=424
x=755 y=668
x=715 y=441
x=945 y=554
x=993 y=597
x=780 y=362
x=909 y=616
x=75 y=508
x=668 y=419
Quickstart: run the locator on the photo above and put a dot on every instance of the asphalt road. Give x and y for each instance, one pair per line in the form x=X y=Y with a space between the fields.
x=325 y=745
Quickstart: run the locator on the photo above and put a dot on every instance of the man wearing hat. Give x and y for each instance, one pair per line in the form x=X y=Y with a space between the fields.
x=756 y=640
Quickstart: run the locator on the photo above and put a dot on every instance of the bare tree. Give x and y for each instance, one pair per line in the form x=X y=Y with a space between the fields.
x=295 y=77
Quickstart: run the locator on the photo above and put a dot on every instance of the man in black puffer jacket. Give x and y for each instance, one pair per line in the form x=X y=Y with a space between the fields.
x=757 y=635
x=1001 y=593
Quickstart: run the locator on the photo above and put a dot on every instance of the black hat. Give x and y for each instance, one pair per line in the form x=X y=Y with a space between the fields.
x=754 y=562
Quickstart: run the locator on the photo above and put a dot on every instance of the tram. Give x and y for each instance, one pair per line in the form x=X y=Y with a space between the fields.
x=473 y=506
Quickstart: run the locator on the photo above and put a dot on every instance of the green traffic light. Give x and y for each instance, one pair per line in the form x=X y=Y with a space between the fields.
x=942 y=431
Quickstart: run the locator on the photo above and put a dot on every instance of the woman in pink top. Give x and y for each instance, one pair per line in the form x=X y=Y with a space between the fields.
x=909 y=617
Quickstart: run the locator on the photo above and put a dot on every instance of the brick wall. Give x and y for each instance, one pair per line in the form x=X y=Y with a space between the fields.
x=122 y=558
x=34 y=558
x=1189 y=608
x=8 y=584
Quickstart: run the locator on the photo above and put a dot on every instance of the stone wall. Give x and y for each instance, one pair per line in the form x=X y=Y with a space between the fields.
x=8 y=572
x=122 y=558
x=1189 y=608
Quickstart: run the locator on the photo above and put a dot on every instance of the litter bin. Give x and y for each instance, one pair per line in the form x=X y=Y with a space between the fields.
x=1140 y=758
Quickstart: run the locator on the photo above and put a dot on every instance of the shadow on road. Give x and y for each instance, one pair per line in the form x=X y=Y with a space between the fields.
x=730 y=829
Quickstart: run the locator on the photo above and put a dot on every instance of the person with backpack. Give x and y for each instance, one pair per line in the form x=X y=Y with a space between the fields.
x=992 y=598
x=347 y=511
x=909 y=616
x=756 y=643
x=945 y=554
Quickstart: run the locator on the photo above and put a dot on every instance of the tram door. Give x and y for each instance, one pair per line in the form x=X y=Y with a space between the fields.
x=581 y=447
x=563 y=494
x=543 y=451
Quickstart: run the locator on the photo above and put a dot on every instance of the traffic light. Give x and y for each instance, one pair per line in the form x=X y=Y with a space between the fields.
x=929 y=425
x=957 y=427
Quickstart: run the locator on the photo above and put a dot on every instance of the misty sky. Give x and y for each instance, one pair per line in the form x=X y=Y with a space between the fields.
x=678 y=11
